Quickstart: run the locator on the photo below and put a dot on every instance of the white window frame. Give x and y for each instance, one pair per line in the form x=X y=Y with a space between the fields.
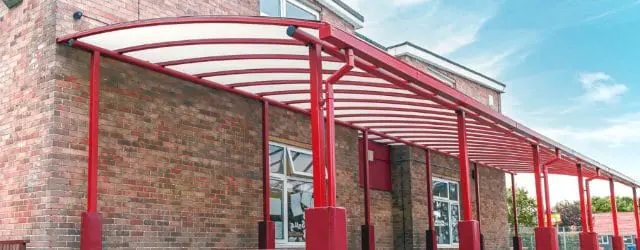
x=284 y=243
x=603 y=239
x=450 y=202
x=283 y=9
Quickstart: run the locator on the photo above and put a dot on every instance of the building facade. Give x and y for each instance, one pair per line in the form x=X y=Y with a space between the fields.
x=180 y=164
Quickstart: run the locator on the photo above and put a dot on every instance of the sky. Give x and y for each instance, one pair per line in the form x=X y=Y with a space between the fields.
x=570 y=67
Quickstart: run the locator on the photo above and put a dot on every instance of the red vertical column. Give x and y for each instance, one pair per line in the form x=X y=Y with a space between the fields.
x=618 y=241
x=546 y=236
x=537 y=173
x=589 y=207
x=331 y=156
x=469 y=229
x=635 y=215
x=326 y=227
x=432 y=238
x=517 y=241
x=547 y=197
x=266 y=228
x=91 y=227
x=476 y=178
x=368 y=231
x=588 y=240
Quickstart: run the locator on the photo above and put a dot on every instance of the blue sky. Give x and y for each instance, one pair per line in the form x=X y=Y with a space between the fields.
x=570 y=66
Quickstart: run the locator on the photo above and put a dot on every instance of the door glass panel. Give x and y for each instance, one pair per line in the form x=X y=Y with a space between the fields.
x=299 y=194
x=275 y=203
x=455 y=217
x=441 y=219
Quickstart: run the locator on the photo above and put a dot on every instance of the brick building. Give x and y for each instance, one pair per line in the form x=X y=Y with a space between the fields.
x=180 y=164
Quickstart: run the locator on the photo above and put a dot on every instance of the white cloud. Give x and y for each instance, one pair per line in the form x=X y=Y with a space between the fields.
x=616 y=131
x=600 y=87
x=440 y=26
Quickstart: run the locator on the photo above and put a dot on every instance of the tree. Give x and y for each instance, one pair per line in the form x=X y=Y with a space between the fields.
x=569 y=212
x=526 y=207
x=603 y=204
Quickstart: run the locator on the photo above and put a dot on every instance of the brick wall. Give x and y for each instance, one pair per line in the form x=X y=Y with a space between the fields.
x=464 y=85
x=27 y=52
x=179 y=163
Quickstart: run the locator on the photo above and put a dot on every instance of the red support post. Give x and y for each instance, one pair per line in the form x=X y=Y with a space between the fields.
x=537 y=174
x=546 y=236
x=517 y=241
x=589 y=207
x=331 y=154
x=588 y=240
x=91 y=227
x=317 y=133
x=547 y=198
x=618 y=241
x=469 y=229
x=432 y=237
x=266 y=228
x=326 y=227
x=368 y=231
x=635 y=215
x=476 y=178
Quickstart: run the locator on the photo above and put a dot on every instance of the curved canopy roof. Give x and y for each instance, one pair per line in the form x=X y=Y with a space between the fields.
x=254 y=57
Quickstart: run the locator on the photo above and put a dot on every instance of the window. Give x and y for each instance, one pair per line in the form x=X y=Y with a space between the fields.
x=628 y=240
x=291 y=191
x=490 y=100
x=446 y=211
x=379 y=166
x=287 y=8
x=603 y=239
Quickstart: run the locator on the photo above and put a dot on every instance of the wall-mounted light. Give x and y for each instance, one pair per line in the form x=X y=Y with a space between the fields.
x=12 y=3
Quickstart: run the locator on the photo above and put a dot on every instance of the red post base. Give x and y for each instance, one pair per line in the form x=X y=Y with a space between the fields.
x=326 y=228
x=266 y=235
x=517 y=243
x=368 y=237
x=91 y=231
x=546 y=238
x=589 y=241
x=469 y=233
x=637 y=243
x=432 y=240
x=617 y=243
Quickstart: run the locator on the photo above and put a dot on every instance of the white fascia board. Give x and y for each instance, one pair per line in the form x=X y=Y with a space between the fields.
x=343 y=13
x=407 y=49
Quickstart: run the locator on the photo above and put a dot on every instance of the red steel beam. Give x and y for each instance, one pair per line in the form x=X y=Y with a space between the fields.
x=537 y=173
x=242 y=57
x=635 y=214
x=317 y=132
x=367 y=185
x=514 y=206
x=330 y=125
x=589 y=207
x=208 y=41
x=547 y=198
x=614 y=208
x=464 y=167
x=266 y=186
x=583 y=213
x=476 y=177
x=94 y=110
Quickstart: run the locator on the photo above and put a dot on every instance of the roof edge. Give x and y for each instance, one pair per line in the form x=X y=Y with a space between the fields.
x=345 y=12
x=447 y=64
